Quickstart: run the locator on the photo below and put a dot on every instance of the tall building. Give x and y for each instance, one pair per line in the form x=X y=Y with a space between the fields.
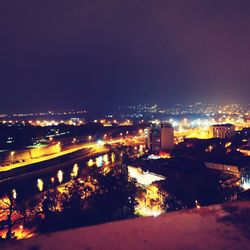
x=222 y=131
x=160 y=137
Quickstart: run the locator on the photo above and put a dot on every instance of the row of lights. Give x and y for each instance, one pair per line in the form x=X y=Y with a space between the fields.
x=73 y=141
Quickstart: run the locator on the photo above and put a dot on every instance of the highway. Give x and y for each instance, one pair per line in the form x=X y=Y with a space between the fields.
x=96 y=147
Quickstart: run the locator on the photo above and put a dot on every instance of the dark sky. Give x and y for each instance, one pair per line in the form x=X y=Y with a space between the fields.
x=100 y=54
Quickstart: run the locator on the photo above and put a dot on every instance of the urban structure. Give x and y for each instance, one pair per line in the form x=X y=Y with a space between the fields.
x=222 y=131
x=124 y=125
x=160 y=137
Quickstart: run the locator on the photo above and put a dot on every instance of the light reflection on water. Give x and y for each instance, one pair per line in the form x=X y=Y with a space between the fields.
x=105 y=159
x=75 y=170
x=52 y=179
x=60 y=176
x=99 y=161
x=90 y=163
x=102 y=160
x=40 y=184
x=112 y=157
x=14 y=193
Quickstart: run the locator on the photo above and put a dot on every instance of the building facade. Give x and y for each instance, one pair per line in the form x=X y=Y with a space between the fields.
x=222 y=131
x=160 y=137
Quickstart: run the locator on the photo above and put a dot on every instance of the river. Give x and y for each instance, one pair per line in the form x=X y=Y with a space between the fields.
x=31 y=184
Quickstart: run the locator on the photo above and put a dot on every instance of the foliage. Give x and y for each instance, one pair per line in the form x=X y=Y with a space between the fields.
x=203 y=186
x=89 y=200
x=10 y=215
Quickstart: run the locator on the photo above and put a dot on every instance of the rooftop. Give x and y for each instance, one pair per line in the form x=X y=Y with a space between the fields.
x=215 y=227
x=223 y=125
x=163 y=166
x=242 y=162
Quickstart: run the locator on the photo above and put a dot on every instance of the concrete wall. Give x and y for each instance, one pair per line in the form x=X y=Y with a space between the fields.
x=17 y=156
x=43 y=151
x=26 y=155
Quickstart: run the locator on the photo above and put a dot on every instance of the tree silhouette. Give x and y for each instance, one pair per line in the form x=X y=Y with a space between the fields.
x=10 y=214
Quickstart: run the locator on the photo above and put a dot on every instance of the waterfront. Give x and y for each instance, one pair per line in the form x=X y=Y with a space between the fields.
x=30 y=184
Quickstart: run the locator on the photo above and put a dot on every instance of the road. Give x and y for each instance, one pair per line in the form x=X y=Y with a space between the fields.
x=91 y=145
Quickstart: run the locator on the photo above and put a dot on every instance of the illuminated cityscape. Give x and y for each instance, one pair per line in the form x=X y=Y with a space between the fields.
x=124 y=125
x=159 y=155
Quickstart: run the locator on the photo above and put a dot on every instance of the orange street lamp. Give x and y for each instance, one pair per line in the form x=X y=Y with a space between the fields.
x=21 y=227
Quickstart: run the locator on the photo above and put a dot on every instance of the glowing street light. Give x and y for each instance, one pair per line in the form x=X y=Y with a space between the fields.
x=100 y=143
x=21 y=228
x=198 y=206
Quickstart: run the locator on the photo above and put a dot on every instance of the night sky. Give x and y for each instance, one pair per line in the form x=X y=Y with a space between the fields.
x=57 y=54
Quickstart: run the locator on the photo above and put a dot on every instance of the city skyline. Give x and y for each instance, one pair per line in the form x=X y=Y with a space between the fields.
x=199 y=108
x=124 y=121
x=90 y=54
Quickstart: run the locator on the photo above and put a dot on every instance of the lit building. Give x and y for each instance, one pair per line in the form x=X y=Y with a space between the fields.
x=222 y=130
x=160 y=137
x=144 y=178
